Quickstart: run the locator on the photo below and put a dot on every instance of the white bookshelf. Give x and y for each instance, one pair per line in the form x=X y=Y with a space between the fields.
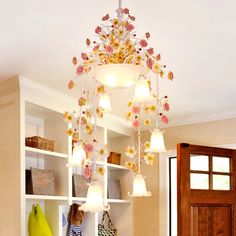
x=26 y=101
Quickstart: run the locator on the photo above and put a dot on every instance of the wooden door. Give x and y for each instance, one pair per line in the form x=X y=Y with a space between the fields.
x=206 y=191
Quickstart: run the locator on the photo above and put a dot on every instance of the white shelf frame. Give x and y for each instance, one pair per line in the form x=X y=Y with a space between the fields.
x=43 y=153
x=20 y=91
x=46 y=197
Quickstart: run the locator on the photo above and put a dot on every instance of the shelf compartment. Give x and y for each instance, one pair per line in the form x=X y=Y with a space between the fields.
x=45 y=197
x=42 y=153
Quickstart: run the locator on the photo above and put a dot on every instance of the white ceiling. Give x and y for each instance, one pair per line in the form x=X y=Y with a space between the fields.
x=196 y=38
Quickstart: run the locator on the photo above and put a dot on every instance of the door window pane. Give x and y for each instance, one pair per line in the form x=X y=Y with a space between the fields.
x=199 y=181
x=221 y=182
x=199 y=162
x=221 y=164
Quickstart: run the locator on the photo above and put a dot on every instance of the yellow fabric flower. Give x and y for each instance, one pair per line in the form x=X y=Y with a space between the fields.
x=153 y=108
x=147 y=122
x=156 y=68
x=115 y=22
x=135 y=168
x=149 y=158
x=130 y=104
x=147 y=145
x=100 y=89
x=128 y=115
x=89 y=129
x=69 y=132
x=147 y=109
x=101 y=170
x=129 y=165
x=130 y=151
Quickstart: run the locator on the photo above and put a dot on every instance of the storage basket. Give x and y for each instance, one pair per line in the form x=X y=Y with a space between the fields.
x=39 y=142
x=114 y=158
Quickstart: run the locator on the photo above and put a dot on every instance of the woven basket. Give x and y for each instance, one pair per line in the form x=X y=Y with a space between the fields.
x=39 y=142
x=114 y=158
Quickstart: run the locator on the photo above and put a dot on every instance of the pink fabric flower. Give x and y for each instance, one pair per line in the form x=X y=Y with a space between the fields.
x=87 y=172
x=106 y=17
x=147 y=35
x=125 y=10
x=135 y=109
x=165 y=119
x=80 y=70
x=132 y=18
x=143 y=43
x=149 y=63
x=129 y=27
x=88 y=148
x=109 y=49
x=98 y=30
x=166 y=106
x=136 y=123
x=84 y=56
x=150 y=51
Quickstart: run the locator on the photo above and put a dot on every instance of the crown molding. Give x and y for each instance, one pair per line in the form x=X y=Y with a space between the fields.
x=201 y=118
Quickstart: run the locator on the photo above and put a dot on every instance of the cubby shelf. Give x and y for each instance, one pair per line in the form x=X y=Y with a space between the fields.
x=43 y=153
x=46 y=197
x=118 y=201
x=112 y=166
x=78 y=199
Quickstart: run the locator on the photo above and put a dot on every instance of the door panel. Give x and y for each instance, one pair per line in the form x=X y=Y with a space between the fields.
x=206 y=191
x=211 y=220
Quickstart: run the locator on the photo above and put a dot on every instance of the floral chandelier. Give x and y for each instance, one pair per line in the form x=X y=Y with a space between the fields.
x=116 y=58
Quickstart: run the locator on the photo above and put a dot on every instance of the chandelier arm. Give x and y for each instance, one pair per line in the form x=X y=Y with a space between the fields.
x=139 y=149
x=157 y=100
x=95 y=133
x=80 y=108
x=120 y=4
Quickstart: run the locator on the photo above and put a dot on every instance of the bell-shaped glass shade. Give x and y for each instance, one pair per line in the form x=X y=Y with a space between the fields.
x=94 y=200
x=78 y=155
x=105 y=102
x=157 y=141
x=139 y=187
x=118 y=75
x=142 y=91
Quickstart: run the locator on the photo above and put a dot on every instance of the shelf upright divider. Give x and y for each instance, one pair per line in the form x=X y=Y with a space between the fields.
x=70 y=170
x=105 y=168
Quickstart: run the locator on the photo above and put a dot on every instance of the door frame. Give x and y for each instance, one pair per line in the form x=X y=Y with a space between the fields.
x=163 y=169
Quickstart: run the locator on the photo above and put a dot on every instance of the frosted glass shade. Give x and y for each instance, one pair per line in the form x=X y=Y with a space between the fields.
x=139 y=187
x=105 y=102
x=78 y=155
x=142 y=91
x=118 y=75
x=157 y=141
x=94 y=200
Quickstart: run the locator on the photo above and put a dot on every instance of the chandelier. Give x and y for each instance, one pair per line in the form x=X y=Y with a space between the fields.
x=117 y=58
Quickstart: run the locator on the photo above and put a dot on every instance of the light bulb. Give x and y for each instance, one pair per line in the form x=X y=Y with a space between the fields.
x=78 y=155
x=118 y=75
x=142 y=91
x=157 y=141
x=104 y=102
x=94 y=200
x=139 y=187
